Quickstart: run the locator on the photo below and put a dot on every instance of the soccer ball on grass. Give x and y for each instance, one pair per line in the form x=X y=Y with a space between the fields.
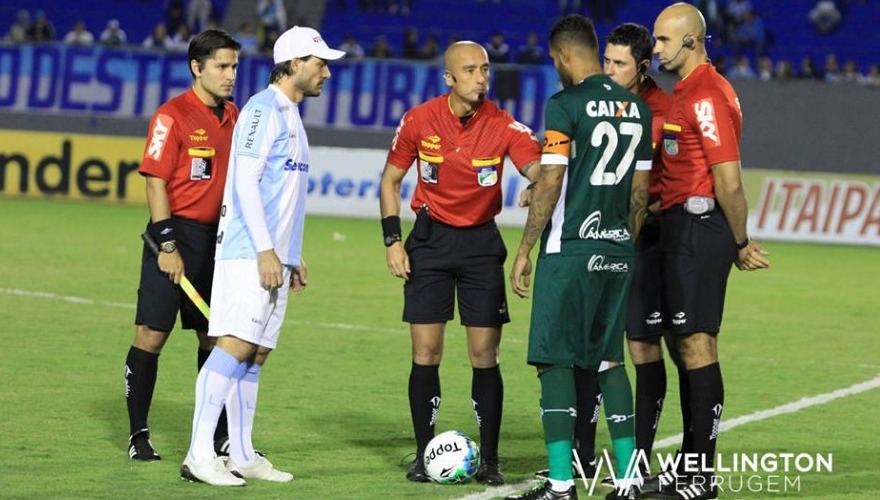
x=451 y=458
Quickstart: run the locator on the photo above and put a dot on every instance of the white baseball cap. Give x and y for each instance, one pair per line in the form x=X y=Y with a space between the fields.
x=301 y=41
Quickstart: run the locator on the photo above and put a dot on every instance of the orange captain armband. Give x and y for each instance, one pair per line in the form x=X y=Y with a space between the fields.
x=556 y=143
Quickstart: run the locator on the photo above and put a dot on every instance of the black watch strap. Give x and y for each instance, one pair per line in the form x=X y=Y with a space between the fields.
x=392 y=239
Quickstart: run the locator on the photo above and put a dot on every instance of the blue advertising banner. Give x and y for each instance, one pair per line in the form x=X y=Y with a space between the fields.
x=131 y=83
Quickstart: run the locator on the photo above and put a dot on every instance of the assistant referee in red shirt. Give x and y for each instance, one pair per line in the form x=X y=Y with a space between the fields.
x=458 y=142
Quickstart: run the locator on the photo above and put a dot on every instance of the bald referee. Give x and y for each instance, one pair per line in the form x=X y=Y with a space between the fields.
x=703 y=231
x=458 y=142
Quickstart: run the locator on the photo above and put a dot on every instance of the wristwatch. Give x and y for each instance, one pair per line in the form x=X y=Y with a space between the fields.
x=168 y=246
x=742 y=244
x=391 y=239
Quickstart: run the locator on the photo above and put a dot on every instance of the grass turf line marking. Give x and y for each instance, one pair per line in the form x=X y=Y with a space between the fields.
x=336 y=326
x=726 y=425
x=64 y=298
x=793 y=407
x=82 y=300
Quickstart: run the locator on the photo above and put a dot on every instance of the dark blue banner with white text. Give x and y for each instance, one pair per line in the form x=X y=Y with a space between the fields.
x=130 y=83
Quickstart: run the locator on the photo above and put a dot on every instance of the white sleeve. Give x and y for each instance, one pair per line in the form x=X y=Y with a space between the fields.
x=247 y=187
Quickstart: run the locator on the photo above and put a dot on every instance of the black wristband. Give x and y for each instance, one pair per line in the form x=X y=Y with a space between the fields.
x=391 y=231
x=163 y=231
x=742 y=244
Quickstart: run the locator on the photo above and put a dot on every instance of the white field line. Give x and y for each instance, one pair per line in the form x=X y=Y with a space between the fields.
x=311 y=324
x=793 y=407
x=63 y=298
x=726 y=425
x=490 y=493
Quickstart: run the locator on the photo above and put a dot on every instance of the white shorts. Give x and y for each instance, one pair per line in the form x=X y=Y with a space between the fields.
x=242 y=308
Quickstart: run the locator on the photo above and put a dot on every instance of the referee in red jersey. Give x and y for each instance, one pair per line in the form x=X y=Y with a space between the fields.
x=703 y=232
x=184 y=164
x=458 y=141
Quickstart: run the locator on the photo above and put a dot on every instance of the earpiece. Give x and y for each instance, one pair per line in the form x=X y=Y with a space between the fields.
x=644 y=66
x=686 y=43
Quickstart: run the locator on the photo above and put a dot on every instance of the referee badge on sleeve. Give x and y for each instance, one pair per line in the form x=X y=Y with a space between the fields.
x=201 y=161
x=487 y=170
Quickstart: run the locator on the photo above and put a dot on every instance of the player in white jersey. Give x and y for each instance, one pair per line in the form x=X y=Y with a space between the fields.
x=259 y=243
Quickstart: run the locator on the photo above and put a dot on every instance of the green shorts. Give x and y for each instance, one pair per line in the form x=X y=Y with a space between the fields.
x=579 y=310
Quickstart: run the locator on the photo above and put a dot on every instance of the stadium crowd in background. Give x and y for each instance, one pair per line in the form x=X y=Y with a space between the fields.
x=737 y=31
x=113 y=35
x=79 y=35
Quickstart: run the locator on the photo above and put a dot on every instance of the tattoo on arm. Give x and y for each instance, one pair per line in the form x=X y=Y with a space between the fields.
x=530 y=172
x=545 y=195
x=638 y=205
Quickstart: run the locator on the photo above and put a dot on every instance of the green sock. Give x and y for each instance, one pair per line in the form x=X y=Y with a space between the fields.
x=623 y=451
x=558 y=413
x=559 y=459
x=619 y=413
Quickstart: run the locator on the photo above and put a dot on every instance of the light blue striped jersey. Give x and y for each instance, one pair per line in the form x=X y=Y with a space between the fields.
x=270 y=150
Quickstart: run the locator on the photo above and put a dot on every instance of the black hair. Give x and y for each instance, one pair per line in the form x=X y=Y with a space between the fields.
x=283 y=69
x=203 y=46
x=574 y=29
x=636 y=37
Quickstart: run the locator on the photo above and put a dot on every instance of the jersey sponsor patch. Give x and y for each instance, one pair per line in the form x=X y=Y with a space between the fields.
x=705 y=111
x=201 y=161
x=591 y=229
x=431 y=142
x=487 y=170
x=670 y=144
x=248 y=141
x=198 y=135
x=159 y=135
x=520 y=127
x=605 y=264
x=487 y=176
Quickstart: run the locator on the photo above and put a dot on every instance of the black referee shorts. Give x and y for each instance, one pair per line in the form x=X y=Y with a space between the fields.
x=644 y=319
x=469 y=261
x=698 y=252
x=159 y=299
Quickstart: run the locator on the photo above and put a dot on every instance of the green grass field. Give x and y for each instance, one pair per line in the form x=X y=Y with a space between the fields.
x=333 y=402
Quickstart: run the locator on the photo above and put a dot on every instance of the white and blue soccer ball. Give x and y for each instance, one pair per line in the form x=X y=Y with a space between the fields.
x=451 y=458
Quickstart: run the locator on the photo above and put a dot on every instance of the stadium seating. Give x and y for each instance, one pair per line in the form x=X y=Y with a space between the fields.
x=136 y=17
x=791 y=34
